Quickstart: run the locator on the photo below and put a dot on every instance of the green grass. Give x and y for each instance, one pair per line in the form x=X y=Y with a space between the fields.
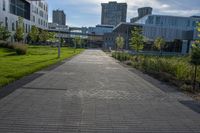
x=13 y=67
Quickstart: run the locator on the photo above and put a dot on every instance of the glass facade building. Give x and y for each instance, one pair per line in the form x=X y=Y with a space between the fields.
x=20 y=8
x=113 y=13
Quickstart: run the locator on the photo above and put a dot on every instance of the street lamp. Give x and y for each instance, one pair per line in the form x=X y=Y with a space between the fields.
x=59 y=43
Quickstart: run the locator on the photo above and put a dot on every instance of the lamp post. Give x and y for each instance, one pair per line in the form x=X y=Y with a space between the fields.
x=59 y=44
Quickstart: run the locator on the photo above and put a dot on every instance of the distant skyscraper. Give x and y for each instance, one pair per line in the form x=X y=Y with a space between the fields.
x=59 y=17
x=141 y=13
x=144 y=11
x=113 y=13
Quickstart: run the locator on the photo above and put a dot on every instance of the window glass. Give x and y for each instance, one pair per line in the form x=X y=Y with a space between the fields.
x=4 y=5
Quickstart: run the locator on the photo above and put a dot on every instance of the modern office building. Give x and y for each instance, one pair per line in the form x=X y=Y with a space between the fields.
x=32 y=12
x=141 y=13
x=59 y=17
x=171 y=28
x=100 y=29
x=113 y=13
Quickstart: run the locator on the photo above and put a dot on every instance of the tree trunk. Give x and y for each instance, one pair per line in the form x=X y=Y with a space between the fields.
x=75 y=48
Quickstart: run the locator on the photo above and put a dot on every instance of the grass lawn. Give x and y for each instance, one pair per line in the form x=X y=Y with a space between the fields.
x=13 y=67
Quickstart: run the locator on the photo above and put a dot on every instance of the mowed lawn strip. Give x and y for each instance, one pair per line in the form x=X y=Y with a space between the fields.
x=13 y=67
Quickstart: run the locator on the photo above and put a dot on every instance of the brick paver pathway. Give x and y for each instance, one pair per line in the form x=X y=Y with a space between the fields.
x=94 y=93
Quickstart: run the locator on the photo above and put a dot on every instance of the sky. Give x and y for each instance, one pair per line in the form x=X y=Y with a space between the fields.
x=88 y=12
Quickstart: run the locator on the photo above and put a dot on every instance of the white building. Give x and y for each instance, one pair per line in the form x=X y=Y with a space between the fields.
x=32 y=12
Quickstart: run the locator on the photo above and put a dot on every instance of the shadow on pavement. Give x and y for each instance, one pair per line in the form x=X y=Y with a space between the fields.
x=17 y=84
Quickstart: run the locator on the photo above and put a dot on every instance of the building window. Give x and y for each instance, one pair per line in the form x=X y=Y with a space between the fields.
x=158 y=20
x=20 y=8
x=29 y=28
x=13 y=26
x=41 y=13
x=33 y=19
x=16 y=24
x=6 y=22
x=4 y=5
x=26 y=28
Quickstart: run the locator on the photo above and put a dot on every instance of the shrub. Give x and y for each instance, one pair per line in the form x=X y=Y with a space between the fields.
x=176 y=70
x=5 y=44
x=21 y=49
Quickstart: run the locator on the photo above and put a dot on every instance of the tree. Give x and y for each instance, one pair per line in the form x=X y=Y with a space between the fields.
x=120 y=42
x=159 y=44
x=51 y=36
x=77 y=42
x=43 y=36
x=137 y=39
x=62 y=41
x=19 y=35
x=4 y=33
x=83 y=42
x=195 y=56
x=34 y=34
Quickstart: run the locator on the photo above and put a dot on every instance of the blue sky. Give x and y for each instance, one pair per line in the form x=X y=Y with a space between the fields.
x=88 y=12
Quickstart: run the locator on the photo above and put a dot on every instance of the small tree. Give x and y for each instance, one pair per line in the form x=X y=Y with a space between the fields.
x=19 y=35
x=159 y=44
x=62 y=41
x=120 y=42
x=43 y=36
x=195 y=56
x=4 y=33
x=137 y=39
x=83 y=42
x=77 y=42
x=51 y=36
x=34 y=34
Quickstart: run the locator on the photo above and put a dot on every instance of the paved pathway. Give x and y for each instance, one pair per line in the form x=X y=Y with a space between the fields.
x=93 y=93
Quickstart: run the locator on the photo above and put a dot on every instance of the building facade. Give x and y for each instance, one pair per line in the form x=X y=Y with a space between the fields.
x=168 y=27
x=32 y=12
x=113 y=13
x=172 y=28
x=59 y=17
x=57 y=27
x=100 y=29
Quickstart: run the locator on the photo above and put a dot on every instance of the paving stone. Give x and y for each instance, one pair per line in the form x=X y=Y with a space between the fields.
x=93 y=93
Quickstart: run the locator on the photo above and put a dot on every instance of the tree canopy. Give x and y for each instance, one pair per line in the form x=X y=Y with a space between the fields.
x=34 y=33
x=43 y=35
x=120 y=42
x=4 y=33
x=77 y=41
x=137 y=39
x=19 y=35
x=159 y=44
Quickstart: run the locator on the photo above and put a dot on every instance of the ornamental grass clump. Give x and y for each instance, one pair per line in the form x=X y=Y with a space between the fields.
x=21 y=49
